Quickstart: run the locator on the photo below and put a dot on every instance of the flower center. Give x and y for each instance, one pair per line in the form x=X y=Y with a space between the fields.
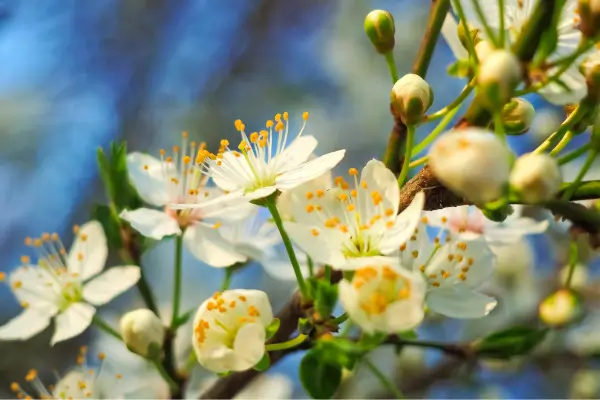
x=392 y=287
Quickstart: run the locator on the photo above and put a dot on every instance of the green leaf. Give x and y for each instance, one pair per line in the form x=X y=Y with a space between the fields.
x=264 y=363
x=185 y=317
x=320 y=379
x=112 y=228
x=510 y=342
x=304 y=326
x=408 y=335
x=273 y=328
x=339 y=351
x=223 y=374
x=325 y=296
x=460 y=69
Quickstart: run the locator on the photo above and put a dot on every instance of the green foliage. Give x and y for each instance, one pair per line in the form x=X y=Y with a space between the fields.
x=110 y=223
x=460 y=69
x=272 y=328
x=511 y=342
x=497 y=212
x=319 y=377
x=325 y=295
x=113 y=172
x=264 y=363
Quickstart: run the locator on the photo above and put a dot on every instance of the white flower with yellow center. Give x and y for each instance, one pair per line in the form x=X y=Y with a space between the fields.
x=468 y=223
x=452 y=269
x=384 y=299
x=270 y=160
x=181 y=179
x=65 y=285
x=229 y=330
x=516 y=14
x=349 y=228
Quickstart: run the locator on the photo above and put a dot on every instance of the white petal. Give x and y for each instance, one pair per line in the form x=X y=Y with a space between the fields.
x=208 y=245
x=355 y=263
x=72 y=322
x=233 y=174
x=450 y=33
x=309 y=170
x=459 y=301
x=404 y=315
x=277 y=264
x=324 y=248
x=93 y=249
x=513 y=230
x=296 y=153
x=151 y=223
x=110 y=284
x=151 y=183
x=260 y=193
x=378 y=178
x=37 y=287
x=258 y=299
x=405 y=225
x=249 y=345
x=25 y=325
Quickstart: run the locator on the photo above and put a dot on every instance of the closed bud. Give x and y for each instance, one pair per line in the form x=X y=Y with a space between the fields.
x=143 y=332
x=483 y=49
x=472 y=31
x=380 y=29
x=517 y=116
x=410 y=98
x=595 y=138
x=498 y=76
x=536 y=177
x=590 y=68
x=472 y=162
x=560 y=308
x=589 y=13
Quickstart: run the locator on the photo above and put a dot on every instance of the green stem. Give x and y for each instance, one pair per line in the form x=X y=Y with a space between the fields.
x=584 y=169
x=100 y=323
x=410 y=139
x=227 y=279
x=499 y=126
x=573 y=155
x=502 y=38
x=270 y=203
x=286 y=345
x=191 y=361
x=311 y=266
x=418 y=161
x=177 y=280
x=437 y=14
x=383 y=379
x=341 y=319
x=484 y=22
x=389 y=58
x=454 y=104
x=573 y=258
x=327 y=275
x=463 y=21
x=562 y=144
x=441 y=126
x=557 y=136
x=161 y=370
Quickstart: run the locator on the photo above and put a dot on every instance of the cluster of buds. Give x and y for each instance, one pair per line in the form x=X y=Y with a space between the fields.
x=410 y=99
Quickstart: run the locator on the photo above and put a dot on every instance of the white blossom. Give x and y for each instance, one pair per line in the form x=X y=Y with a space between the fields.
x=384 y=299
x=453 y=269
x=182 y=178
x=141 y=329
x=64 y=285
x=351 y=227
x=469 y=223
x=229 y=330
x=536 y=177
x=472 y=162
x=268 y=161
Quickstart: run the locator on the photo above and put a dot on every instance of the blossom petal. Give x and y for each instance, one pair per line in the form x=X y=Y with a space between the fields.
x=378 y=178
x=151 y=223
x=25 y=325
x=324 y=248
x=296 y=153
x=513 y=230
x=208 y=245
x=89 y=252
x=249 y=345
x=72 y=322
x=277 y=264
x=404 y=315
x=404 y=226
x=459 y=301
x=309 y=170
x=36 y=286
x=233 y=173
x=150 y=182
x=110 y=284
x=450 y=33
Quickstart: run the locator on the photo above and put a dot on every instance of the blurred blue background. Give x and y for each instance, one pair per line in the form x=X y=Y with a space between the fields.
x=76 y=75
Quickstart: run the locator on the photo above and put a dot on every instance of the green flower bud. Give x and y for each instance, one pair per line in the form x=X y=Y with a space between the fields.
x=483 y=49
x=462 y=34
x=589 y=13
x=498 y=76
x=380 y=29
x=560 y=308
x=517 y=116
x=410 y=99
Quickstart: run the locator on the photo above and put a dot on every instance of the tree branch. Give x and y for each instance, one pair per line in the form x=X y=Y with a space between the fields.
x=437 y=13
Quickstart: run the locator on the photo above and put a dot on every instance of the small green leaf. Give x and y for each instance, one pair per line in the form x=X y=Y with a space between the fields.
x=185 y=317
x=320 y=379
x=264 y=363
x=111 y=227
x=304 y=326
x=223 y=374
x=510 y=342
x=460 y=69
x=408 y=335
x=325 y=296
x=273 y=328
